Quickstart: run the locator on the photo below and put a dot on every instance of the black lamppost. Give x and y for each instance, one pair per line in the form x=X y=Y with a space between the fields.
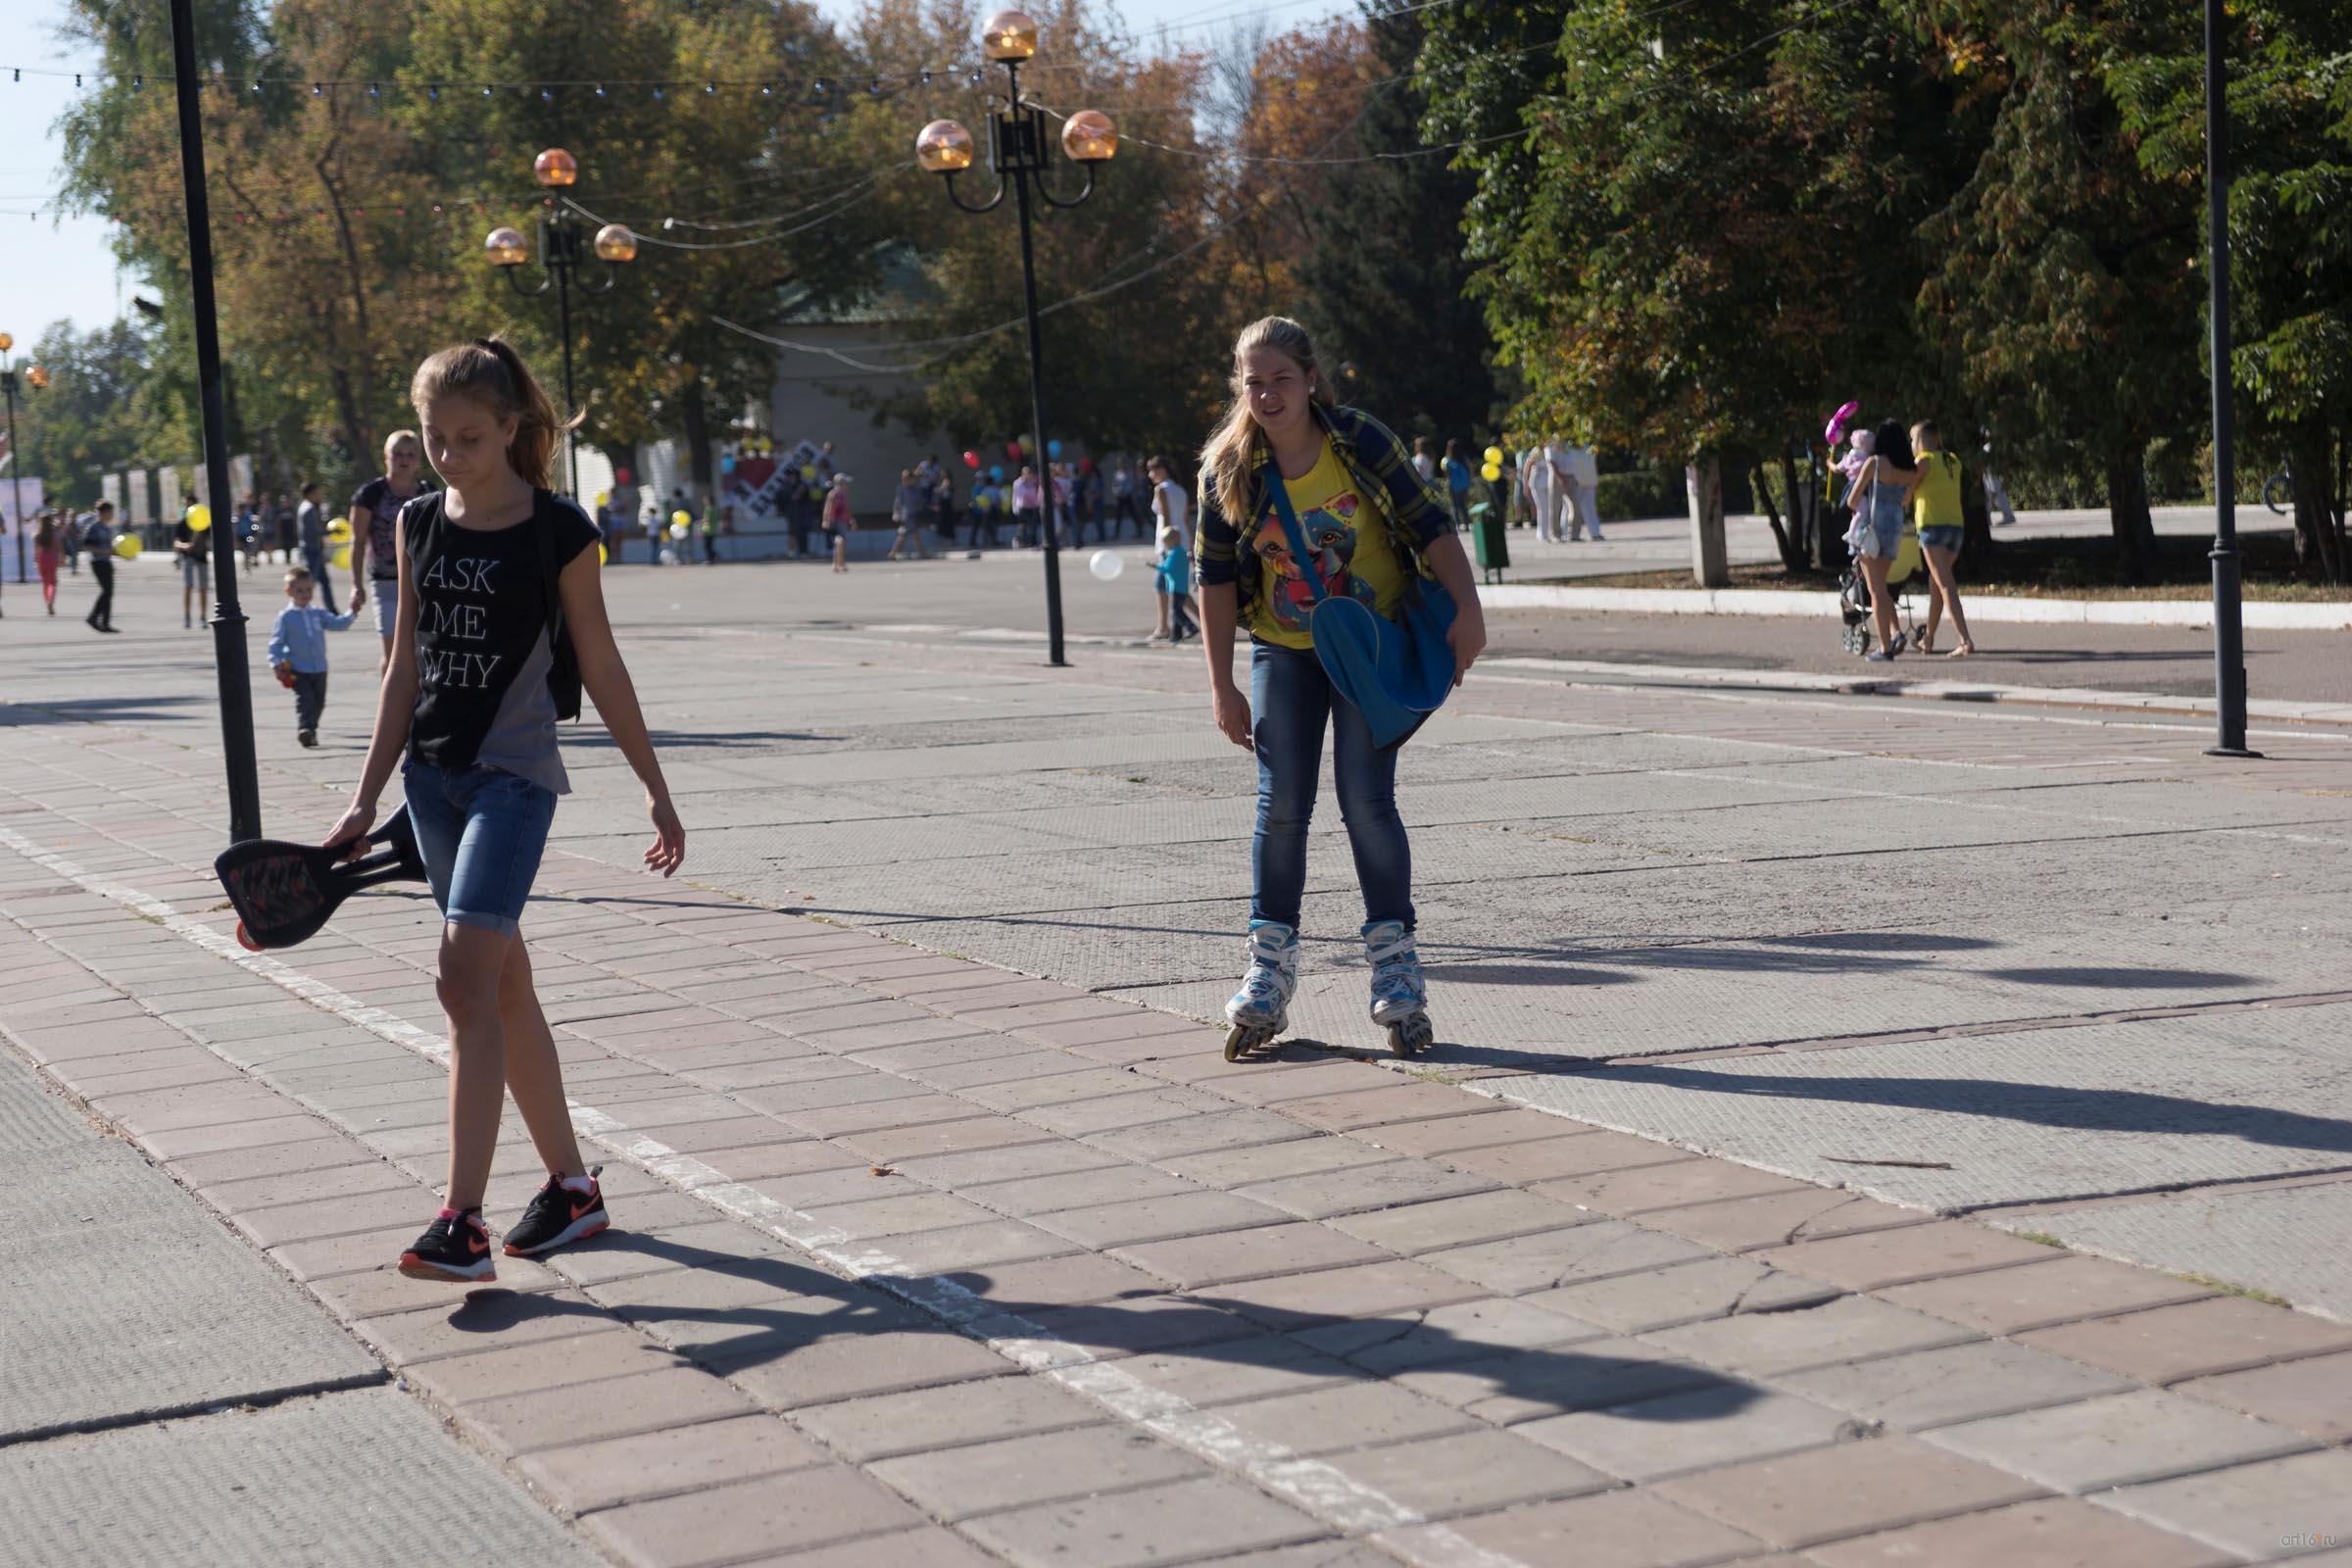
x=2229 y=629
x=36 y=378
x=1020 y=152
x=564 y=246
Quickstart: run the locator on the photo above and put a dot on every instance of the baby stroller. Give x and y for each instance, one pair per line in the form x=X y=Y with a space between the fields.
x=1906 y=575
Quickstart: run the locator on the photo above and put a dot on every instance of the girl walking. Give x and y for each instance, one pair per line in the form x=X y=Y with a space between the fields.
x=46 y=555
x=1941 y=526
x=1879 y=497
x=840 y=520
x=498 y=603
x=1373 y=523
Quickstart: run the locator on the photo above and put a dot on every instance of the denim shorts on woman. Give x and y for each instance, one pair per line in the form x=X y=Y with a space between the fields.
x=481 y=833
x=1940 y=538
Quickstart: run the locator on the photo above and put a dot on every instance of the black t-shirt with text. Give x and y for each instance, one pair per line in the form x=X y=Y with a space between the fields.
x=375 y=499
x=482 y=650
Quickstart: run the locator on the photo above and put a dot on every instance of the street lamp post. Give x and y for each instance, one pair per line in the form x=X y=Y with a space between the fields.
x=1019 y=153
x=564 y=246
x=2228 y=630
x=36 y=378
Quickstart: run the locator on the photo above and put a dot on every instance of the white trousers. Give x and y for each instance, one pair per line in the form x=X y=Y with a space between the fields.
x=1583 y=501
x=1550 y=503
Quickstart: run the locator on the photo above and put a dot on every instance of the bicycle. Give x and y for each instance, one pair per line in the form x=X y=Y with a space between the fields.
x=2278 y=490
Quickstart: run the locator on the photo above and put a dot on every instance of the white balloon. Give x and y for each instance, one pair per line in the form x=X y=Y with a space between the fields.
x=1106 y=564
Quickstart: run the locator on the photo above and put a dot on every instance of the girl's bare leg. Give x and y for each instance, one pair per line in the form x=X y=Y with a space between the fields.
x=1882 y=600
x=1940 y=571
x=469 y=982
x=534 y=1071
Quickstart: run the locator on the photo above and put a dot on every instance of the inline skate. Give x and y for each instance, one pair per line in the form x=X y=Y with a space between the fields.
x=1261 y=1008
x=1400 y=998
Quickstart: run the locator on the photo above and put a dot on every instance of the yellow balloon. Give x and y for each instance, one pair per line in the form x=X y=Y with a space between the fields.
x=1494 y=455
x=1491 y=473
x=604 y=497
x=808 y=471
x=200 y=517
x=341 y=558
x=602 y=558
x=127 y=547
x=679 y=519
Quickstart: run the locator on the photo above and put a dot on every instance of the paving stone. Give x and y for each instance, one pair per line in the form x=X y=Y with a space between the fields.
x=2313 y=1394
x=1470 y=1127
x=888 y=1146
x=643 y=1402
x=2251 y=1509
x=1143 y=1220
x=1276 y=1162
x=483 y=1320
x=2168 y=1343
x=1552 y=1259
x=1192 y=1263
x=784 y=1157
x=2032 y=1295
x=1183 y=1519
x=1070 y=1280
x=1415 y=1229
x=1463 y=1331
x=1194 y=1135
x=962 y=1248
x=970 y=1073
x=1623 y=1529
x=1014 y=1163
x=1097 y=1192
x=1031 y=1094
x=724 y=1524
x=1129 y=1326
x=1924 y=1389
x=284 y=1223
x=1726 y=1423
x=586 y=1475
x=606 y=1352
x=1848 y=1489
x=980 y=1410
x=1137 y=1103
x=2047 y=1533
x=1269 y=1084
x=2145 y=1435
x=1360 y=1188
x=1566 y=1153
x=1851 y=1328
x=952 y=1483
x=1245 y=1368
x=916 y=1209
x=934 y=1546
x=1588 y=1374
x=1470 y=1472
x=852 y=1365
x=1679 y=1182
x=1293 y=1302
x=1371 y=1107
x=1685 y=1292
x=1877 y=1260
x=1349 y=1415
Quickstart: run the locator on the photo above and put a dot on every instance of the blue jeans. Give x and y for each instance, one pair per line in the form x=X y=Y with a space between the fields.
x=480 y=834
x=1292 y=701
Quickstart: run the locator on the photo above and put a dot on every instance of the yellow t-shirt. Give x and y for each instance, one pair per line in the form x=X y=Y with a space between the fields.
x=1935 y=504
x=1352 y=550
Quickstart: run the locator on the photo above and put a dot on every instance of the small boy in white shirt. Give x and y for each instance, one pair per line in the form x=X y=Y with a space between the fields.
x=298 y=652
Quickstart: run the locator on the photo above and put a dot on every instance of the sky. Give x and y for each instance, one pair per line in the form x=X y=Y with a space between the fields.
x=53 y=269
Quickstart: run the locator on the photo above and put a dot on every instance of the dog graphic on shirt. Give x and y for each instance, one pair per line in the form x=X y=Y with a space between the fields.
x=1330 y=532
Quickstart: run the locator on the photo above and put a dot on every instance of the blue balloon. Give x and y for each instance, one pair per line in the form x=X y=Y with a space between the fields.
x=726 y=462
x=1053 y=449
x=995 y=471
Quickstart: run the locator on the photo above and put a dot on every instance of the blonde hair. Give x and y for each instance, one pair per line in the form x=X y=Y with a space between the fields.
x=489 y=371
x=1225 y=455
x=396 y=438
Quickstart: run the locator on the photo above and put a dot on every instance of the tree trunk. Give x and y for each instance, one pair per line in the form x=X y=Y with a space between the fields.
x=2318 y=558
x=2128 y=515
x=1804 y=509
x=1976 y=523
x=695 y=411
x=1709 y=560
x=1791 y=558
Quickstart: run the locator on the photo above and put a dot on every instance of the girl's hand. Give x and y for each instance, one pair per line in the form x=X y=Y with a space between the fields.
x=352 y=829
x=1467 y=636
x=1232 y=715
x=667 y=851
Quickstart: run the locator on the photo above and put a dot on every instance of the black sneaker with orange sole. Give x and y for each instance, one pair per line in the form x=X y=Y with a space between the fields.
x=558 y=1217
x=455 y=1247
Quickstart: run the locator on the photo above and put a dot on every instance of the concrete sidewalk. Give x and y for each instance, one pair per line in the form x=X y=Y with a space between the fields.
x=949 y=1238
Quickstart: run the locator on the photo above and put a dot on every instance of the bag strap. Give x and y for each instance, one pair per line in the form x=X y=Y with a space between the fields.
x=1296 y=535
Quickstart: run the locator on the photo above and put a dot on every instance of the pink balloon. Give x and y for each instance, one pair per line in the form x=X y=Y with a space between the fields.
x=1836 y=425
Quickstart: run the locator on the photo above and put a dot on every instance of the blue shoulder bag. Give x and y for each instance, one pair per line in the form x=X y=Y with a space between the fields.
x=1397 y=672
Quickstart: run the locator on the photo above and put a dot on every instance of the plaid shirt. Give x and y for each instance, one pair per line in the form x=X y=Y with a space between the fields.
x=1382 y=472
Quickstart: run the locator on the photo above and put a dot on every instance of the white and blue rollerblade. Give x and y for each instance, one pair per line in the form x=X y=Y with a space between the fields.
x=1400 y=998
x=1261 y=1008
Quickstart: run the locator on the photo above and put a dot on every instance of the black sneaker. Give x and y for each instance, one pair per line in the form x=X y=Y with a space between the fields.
x=558 y=1217
x=454 y=1249
x=307 y=737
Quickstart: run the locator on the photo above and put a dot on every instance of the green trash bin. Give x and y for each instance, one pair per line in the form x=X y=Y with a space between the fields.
x=1489 y=542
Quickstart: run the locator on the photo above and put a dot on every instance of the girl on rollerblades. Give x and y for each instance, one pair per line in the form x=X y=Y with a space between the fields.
x=1370 y=522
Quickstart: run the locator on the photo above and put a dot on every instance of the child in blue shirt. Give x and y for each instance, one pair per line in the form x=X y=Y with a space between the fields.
x=298 y=652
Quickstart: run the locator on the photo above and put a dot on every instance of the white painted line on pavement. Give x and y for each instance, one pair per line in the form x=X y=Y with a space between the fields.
x=1317 y=1486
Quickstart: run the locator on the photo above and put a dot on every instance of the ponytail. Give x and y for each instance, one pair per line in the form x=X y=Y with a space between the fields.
x=488 y=370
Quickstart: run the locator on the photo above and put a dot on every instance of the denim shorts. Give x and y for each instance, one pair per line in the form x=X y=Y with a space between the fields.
x=481 y=833
x=1944 y=538
x=383 y=597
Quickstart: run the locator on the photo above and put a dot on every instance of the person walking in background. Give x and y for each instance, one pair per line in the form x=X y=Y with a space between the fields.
x=1941 y=528
x=195 y=571
x=1996 y=494
x=840 y=520
x=1544 y=481
x=98 y=538
x=1173 y=575
x=69 y=526
x=1170 y=509
x=1582 y=469
x=908 y=509
x=289 y=528
x=986 y=501
x=375 y=527
x=1425 y=459
x=1089 y=486
x=1062 y=497
x=1127 y=496
x=710 y=525
x=45 y=556
x=1458 y=483
x=1028 y=508
x=298 y=652
x=1880 y=497
x=310 y=526
x=249 y=528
